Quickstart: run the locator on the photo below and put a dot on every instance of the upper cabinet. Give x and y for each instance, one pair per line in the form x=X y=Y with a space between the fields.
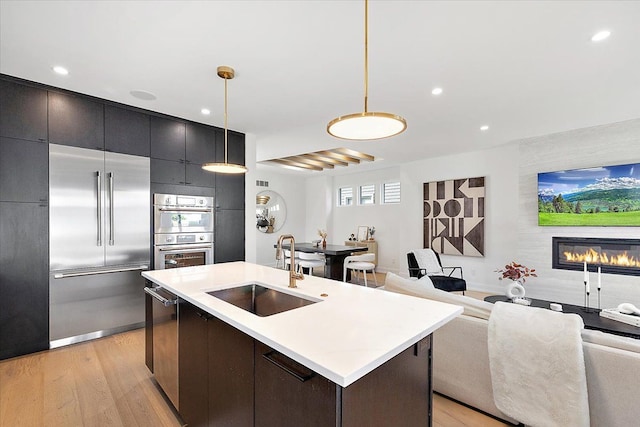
x=235 y=147
x=76 y=121
x=201 y=144
x=167 y=139
x=126 y=131
x=23 y=111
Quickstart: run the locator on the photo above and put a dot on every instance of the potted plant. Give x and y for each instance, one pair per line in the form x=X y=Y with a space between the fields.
x=518 y=274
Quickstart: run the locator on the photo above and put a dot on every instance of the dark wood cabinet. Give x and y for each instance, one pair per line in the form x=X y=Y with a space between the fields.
x=23 y=111
x=231 y=376
x=126 y=131
x=235 y=147
x=76 y=121
x=215 y=371
x=24 y=278
x=24 y=170
x=195 y=175
x=167 y=139
x=167 y=172
x=288 y=394
x=229 y=379
x=397 y=393
x=229 y=236
x=201 y=143
x=193 y=382
x=230 y=191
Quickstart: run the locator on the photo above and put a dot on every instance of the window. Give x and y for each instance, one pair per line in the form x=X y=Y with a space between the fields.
x=345 y=196
x=390 y=192
x=367 y=194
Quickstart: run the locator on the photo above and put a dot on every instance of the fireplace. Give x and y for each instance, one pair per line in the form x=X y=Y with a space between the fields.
x=614 y=256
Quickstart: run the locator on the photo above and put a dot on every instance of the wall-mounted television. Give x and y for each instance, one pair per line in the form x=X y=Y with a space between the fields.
x=600 y=196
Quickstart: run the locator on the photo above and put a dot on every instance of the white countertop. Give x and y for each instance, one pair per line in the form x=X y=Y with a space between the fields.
x=343 y=337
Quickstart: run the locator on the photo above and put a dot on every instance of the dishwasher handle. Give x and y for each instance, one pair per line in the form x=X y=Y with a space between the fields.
x=166 y=302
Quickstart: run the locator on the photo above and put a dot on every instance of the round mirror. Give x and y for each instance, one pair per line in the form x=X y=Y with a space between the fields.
x=271 y=212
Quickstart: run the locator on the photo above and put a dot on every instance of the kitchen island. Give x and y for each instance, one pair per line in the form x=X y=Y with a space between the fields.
x=364 y=353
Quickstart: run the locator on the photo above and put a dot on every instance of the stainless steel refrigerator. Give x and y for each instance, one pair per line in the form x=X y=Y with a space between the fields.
x=99 y=242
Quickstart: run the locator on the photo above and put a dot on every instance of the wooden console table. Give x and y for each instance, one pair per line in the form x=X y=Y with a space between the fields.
x=591 y=318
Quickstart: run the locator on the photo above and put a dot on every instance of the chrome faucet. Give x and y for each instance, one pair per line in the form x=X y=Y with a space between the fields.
x=292 y=269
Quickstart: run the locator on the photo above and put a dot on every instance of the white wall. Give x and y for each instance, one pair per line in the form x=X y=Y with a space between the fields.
x=617 y=143
x=292 y=189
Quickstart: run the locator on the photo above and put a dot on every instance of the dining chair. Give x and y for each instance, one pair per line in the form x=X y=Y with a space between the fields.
x=311 y=260
x=287 y=258
x=362 y=263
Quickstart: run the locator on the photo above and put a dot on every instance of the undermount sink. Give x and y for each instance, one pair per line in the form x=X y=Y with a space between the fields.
x=260 y=300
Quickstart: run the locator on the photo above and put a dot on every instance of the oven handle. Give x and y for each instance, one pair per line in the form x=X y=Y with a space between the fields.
x=181 y=247
x=178 y=210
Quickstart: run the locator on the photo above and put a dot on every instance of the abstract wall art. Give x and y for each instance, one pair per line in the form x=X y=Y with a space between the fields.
x=453 y=216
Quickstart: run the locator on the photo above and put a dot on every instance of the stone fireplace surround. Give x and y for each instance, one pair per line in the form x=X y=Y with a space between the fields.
x=612 y=255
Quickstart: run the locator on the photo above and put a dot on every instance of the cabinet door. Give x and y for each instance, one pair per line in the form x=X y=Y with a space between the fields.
x=230 y=191
x=229 y=236
x=167 y=172
x=167 y=139
x=231 y=376
x=235 y=147
x=126 y=131
x=193 y=364
x=288 y=394
x=23 y=111
x=201 y=143
x=24 y=281
x=75 y=121
x=24 y=170
x=197 y=176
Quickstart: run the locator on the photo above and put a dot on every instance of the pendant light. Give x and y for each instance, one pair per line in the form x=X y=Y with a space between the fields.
x=366 y=125
x=227 y=73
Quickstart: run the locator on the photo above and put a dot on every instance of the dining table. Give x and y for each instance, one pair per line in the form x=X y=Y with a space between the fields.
x=334 y=255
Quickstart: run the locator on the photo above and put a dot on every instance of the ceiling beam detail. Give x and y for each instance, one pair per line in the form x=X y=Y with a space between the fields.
x=325 y=159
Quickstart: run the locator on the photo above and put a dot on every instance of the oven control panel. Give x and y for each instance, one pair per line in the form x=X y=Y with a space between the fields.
x=182 y=238
x=174 y=200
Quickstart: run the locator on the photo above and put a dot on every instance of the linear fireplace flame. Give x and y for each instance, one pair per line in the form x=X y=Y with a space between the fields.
x=615 y=256
x=591 y=256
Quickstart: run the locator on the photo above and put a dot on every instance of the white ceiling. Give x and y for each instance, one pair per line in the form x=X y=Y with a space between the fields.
x=525 y=68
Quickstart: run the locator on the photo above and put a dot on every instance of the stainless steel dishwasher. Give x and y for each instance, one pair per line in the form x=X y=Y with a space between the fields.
x=165 y=340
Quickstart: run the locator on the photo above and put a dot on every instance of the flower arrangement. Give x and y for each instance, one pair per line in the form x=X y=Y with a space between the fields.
x=516 y=272
x=322 y=233
x=372 y=231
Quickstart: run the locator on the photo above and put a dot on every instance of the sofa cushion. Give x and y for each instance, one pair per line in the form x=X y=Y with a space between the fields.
x=610 y=340
x=419 y=288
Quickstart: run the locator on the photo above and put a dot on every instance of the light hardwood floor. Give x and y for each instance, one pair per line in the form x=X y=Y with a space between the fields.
x=105 y=382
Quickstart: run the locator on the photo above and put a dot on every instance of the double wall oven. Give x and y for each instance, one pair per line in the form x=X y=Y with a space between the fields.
x=183 y=231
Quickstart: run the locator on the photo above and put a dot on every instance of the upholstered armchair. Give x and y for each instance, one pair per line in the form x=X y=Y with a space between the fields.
x=426 y=262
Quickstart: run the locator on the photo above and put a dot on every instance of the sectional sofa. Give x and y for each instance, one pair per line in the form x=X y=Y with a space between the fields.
x=461 y=361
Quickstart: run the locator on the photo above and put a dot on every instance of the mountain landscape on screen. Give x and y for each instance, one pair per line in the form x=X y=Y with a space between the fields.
x=602 y=196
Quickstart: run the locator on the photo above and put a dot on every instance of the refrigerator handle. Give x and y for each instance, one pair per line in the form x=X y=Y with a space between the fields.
x=111 y=210
x=99 y=206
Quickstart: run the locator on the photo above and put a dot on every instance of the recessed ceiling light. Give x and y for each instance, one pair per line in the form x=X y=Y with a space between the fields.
x=61 y=70
x=436 y=91
x=599 y=36
x=205 y=111
x=483 y=128
x=144 y=95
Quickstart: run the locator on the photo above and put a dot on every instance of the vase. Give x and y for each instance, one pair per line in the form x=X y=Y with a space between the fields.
x=324 y=243
x=515 y=290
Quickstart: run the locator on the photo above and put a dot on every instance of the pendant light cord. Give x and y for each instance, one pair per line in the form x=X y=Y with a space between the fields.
x=225 y=120
x=366 y=54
